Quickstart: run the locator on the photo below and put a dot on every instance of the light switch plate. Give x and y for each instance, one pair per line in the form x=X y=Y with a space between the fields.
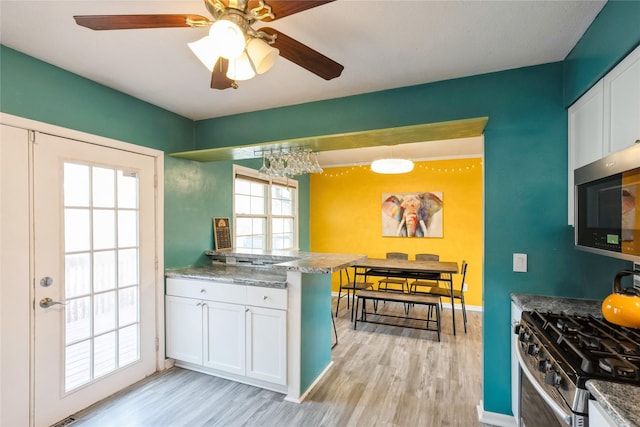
x=520 y=263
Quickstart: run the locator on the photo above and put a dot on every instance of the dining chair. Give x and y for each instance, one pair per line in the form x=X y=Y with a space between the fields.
x=458 y=293
x=383 y=284
x=425 y=280
x=350 y=287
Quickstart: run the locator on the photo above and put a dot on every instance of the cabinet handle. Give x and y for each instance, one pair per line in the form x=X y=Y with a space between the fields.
x=246 y=310
x=198 y=304
x=203 y=291
x=266 y=298
x=637 y=141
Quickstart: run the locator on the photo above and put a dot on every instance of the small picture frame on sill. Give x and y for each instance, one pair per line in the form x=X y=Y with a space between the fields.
x=222 y=234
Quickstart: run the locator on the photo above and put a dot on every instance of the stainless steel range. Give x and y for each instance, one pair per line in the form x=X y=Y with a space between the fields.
x=558 y=353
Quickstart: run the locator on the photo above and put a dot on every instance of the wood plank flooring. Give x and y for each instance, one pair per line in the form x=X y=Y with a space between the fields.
x=382 y=376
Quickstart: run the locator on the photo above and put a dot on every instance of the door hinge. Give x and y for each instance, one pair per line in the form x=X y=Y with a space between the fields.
x=157 y=344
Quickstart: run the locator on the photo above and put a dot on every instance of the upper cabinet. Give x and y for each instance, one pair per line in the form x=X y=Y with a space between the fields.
x=622 y=104
x=604 y=120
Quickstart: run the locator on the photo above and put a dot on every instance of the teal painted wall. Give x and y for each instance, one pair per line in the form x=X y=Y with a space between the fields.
x=36 y=90
x=611 y=36
x=315 y=341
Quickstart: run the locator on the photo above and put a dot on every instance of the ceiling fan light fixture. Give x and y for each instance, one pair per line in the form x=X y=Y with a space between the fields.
x=227 y=38
x=240 y=68
x=261 y=54
x=392 y=166
x=204 y=50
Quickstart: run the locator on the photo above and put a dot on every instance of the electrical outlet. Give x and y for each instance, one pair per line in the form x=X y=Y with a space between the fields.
x=520 y=263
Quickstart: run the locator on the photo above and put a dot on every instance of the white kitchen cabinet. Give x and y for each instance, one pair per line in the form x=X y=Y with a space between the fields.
x=266 y=342
x=224 y=337
x=235 y=331
x=516 y=313
x=183 y=329
x=622 y=104
x=586 y=134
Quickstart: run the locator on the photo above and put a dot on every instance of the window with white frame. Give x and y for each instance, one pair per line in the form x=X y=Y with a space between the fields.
x=265 y=211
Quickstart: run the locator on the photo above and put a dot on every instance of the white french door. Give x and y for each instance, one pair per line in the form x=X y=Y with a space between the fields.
x=94 y=270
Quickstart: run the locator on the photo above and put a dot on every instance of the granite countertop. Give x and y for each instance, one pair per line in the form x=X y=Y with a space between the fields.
x=618 y=400
x=304 y=262
x=241 y=275
x=558 y=304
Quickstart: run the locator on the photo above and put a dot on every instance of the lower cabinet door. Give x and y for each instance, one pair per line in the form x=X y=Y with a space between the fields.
x=225 y=337
x=184 y=329
x=267 y=344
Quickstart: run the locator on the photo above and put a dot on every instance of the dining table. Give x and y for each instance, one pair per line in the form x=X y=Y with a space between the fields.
x=416 y=270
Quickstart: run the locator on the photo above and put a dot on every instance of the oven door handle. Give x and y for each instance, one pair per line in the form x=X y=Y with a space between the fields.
x=566 y=417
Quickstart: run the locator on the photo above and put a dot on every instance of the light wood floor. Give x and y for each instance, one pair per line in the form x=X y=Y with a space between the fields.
x=382 y=376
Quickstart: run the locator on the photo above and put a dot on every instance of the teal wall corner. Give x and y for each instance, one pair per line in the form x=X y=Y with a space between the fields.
x=315 y=342
x=40 y=91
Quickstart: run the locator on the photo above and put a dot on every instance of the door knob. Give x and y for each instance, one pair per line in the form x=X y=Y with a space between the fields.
x=48 y=302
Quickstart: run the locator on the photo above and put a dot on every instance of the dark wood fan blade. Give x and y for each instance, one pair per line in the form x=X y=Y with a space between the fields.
x=282 y=8
x=129 y=22
x=304 y=56
x=219 y=79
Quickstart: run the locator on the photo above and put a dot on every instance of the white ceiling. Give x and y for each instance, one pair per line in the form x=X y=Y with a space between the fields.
x=382 y=45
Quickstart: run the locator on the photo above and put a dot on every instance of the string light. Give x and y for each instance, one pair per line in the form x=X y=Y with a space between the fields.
x=425 y=166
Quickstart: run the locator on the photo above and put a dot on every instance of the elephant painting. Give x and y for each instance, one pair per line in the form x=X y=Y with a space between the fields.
x=412 y=214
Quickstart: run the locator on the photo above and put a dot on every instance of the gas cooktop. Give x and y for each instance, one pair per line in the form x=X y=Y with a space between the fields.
x=587 y=347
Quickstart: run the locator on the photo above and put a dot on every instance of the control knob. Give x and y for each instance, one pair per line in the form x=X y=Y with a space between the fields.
x=524 y=336
x=552 y=377
x=533 y=349
x=543 y=365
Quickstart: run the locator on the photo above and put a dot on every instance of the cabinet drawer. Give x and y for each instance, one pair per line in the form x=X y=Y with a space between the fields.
x=267 y=297
x=207 y=290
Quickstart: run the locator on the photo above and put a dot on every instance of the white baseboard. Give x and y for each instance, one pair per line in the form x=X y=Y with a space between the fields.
x=493 y=418
x=311 y=387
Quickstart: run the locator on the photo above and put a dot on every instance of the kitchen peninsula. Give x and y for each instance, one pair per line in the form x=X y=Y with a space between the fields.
x=278 y=300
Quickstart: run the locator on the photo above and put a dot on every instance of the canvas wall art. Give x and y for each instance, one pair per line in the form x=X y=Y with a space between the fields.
x=412 y=214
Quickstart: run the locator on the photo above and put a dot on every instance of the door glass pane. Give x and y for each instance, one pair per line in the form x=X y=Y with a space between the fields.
x=104 y=227
x=104 y=186
x=76 y=185
x=101 y=321
x=128 y=345
x=77 y=236
x=77 y=319
x=77 y=365
x=104 y=270
x=104 y=309
x=127 y=190
x=77 y=271
x=127 y=228
x=105 y=354
x=127 y=267
x=128 y=306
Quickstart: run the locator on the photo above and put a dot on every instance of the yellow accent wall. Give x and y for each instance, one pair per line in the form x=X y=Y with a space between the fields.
x=345 y=214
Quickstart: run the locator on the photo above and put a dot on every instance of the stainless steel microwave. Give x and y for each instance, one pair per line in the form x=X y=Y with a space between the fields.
x=607 y=205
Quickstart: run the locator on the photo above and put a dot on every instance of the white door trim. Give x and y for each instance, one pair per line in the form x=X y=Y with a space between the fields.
x=158 y=155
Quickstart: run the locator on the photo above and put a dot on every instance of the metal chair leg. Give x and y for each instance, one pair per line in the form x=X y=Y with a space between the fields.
x=335 y=332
